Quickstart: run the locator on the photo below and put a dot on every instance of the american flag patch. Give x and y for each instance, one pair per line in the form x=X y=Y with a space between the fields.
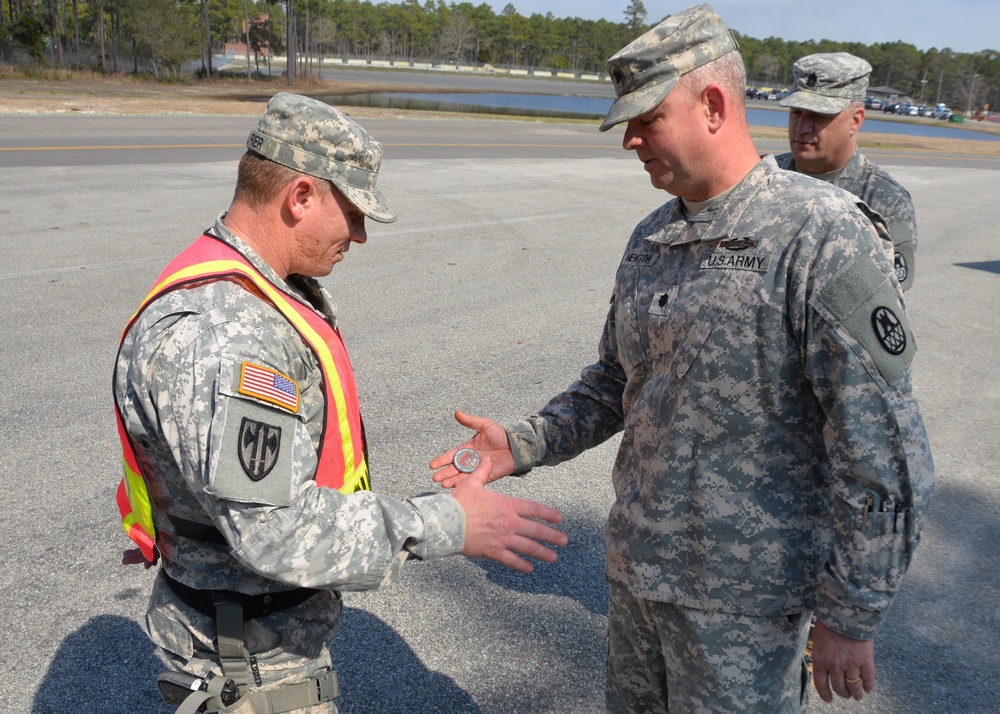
x=271 y=386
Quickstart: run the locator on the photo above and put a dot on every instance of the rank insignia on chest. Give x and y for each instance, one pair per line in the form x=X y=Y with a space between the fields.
x=269 y=385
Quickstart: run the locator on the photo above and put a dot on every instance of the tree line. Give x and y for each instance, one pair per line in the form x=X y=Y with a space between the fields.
x=165 y=36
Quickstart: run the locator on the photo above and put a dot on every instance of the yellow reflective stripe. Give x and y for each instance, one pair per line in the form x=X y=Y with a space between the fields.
x=360 y=482
x=183 y=274
x=138 y=498
x=352 y=472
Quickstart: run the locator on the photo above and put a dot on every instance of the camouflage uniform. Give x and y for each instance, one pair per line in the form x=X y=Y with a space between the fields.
x=773 y=462
x=176 y=384
x=826 y=83
x=885 y=195
x=773 y=459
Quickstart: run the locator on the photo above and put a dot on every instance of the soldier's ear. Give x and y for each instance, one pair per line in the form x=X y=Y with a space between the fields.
x=716 y=106
x=299 y=194
x=857 y=119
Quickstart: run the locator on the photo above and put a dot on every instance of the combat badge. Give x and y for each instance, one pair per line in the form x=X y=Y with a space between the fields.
x=738 y=244
x=258 y=446
x=465 y=460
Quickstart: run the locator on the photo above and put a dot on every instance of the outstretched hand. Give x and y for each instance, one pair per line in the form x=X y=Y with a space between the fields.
x=490 y=442
x=500 y=527
x=842 y=664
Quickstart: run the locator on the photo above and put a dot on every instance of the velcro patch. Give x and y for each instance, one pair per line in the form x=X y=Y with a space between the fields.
x=269 y=385
x=867 y=305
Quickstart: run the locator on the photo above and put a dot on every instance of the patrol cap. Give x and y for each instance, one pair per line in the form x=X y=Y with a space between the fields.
x=645 y=70
x=307 y=135
x=826 y=83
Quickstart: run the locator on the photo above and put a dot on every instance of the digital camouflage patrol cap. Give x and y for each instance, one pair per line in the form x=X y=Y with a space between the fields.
x=826 y=83
x=312 y=137
x=647 y=69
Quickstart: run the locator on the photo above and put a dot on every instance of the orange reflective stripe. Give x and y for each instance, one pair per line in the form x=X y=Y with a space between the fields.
x=341 y=463
x=354 y=467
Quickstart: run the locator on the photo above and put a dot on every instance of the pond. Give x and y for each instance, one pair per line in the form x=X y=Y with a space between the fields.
x=548 y=105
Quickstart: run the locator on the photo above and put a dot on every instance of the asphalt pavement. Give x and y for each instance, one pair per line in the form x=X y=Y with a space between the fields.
x=487 y=295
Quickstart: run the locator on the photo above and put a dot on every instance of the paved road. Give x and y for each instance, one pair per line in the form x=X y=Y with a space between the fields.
x=60 y=140
x=487 y=295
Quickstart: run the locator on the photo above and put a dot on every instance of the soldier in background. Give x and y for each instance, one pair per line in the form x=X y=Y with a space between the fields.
x=244 y=450
x=756 y=358
x=826 y=111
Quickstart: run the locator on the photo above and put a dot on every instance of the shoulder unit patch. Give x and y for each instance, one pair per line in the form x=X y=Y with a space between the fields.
x=889 y=330
x=258 y=446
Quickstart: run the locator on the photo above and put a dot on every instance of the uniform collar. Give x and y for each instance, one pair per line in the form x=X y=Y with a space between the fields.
x=717 y=222
x=307 y=290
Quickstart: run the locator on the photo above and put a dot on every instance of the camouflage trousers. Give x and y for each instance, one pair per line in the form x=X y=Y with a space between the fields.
x=674 y=660
x=290 y=646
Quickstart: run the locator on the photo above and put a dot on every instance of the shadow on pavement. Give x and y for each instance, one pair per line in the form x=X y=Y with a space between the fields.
x=990 y=266
x=578 y=573
x=108 y=666
x=379 y=672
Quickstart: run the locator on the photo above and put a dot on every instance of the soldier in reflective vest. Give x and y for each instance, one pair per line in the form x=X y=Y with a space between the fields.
x=246 y=475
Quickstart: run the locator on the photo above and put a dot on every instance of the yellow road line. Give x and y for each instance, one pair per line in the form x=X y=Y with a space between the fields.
x=122 y=147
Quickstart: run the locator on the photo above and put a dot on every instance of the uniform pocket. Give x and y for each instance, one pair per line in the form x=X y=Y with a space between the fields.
x=879 y=548
x=169 y=634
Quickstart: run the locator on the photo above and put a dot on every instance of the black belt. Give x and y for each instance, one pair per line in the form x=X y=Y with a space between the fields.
x=254 y=606
x=198 y=531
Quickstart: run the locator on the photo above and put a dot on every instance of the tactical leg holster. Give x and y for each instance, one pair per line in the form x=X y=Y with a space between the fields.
x=239 y=689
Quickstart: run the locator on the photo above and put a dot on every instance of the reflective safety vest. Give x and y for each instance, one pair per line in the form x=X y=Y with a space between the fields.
x=342 y=464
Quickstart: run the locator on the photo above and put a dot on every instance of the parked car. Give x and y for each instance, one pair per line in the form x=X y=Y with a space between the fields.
x=890 y=107
x=941 y=111
x=873 y=103
x=904 y=108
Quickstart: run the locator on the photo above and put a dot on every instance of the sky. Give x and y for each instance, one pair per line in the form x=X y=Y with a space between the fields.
x=962 y=25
